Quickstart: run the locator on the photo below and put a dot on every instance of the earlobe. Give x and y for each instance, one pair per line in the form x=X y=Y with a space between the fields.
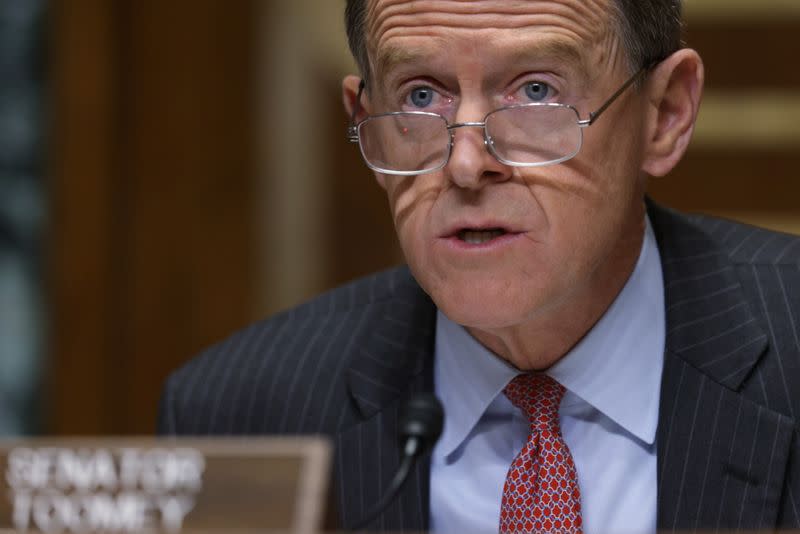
x=674 y=90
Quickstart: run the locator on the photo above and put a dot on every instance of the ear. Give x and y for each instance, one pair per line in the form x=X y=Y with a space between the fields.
x=674 y=90
x=350 y=85
x=350 y=89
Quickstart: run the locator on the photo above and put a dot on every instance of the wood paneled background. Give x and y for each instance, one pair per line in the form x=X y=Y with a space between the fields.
x=152 y=193
x=200 y=178
x=743 y=162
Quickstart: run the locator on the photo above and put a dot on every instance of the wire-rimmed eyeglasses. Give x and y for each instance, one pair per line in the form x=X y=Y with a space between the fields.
x=408 y=143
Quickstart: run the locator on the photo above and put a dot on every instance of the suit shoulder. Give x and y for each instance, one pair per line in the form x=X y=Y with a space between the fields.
x=747 y=244
x=263 y=363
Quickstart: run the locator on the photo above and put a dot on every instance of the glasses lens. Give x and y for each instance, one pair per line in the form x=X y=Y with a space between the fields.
x=405 y=142
x=534 y=134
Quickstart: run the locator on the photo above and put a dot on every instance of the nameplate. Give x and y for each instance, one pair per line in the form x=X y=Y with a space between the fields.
x=120 y=485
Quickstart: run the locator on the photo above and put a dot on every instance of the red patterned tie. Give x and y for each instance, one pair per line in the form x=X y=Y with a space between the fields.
x=541 y=492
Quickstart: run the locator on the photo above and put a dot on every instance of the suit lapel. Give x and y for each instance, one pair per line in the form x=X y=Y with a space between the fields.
x=721 y=458
x=394 y=360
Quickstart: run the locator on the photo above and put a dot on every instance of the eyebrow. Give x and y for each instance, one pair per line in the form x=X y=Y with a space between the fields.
x=390 y=57
x=559 y=50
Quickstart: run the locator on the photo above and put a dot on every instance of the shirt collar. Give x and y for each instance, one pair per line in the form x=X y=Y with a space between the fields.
x=616 y=367
x=467 y=377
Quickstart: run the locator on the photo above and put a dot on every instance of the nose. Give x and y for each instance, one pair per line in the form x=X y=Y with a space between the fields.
x=471 y=166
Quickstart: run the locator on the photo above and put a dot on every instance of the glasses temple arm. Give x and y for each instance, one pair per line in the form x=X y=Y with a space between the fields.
x=593 y=116
x=352 y=129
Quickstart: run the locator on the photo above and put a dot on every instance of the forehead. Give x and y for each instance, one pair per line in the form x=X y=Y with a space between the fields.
x=401 y=30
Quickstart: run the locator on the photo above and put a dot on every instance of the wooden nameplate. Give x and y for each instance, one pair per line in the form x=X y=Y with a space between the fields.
x=124 y=485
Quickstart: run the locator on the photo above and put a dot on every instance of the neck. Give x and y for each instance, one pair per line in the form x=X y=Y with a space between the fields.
x=546 y=338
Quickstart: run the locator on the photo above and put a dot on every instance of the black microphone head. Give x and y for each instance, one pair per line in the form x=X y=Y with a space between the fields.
x=422 y=418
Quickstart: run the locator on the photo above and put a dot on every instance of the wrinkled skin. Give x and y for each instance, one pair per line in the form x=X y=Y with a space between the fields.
x=574 y=230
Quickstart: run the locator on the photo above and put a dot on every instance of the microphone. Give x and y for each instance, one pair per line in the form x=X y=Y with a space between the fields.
x=421 y=424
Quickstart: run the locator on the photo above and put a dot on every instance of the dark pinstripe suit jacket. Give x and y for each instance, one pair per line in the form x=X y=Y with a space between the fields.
x=340 y=365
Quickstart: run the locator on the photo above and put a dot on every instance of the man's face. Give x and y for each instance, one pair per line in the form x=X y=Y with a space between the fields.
x=496 y=246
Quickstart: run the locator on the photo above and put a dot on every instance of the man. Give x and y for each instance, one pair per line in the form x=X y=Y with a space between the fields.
x=514 y=141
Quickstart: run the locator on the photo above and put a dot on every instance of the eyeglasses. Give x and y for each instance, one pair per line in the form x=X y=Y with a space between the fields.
x=408 y=143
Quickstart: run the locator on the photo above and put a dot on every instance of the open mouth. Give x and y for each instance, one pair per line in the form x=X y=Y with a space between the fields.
x=478 y=237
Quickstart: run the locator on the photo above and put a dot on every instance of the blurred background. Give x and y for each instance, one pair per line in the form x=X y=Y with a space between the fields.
x=171 y=170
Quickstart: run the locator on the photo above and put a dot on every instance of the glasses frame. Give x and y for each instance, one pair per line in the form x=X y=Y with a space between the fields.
x=354 y=129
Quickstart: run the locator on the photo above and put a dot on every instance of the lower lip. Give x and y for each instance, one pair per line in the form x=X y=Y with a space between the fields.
x=492 y=245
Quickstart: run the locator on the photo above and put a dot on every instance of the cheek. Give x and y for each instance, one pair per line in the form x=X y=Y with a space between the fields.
x=586 y=203
x=411 y=198
x=620 y=147
x=609 y=209
x=608 y=168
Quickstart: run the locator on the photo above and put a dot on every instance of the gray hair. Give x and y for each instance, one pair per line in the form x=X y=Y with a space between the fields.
x=650 y=30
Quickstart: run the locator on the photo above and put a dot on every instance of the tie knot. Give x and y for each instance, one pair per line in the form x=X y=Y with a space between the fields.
x=538 y=396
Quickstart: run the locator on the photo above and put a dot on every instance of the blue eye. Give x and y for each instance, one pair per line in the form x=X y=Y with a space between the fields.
x=421 y=97
x=537 y=91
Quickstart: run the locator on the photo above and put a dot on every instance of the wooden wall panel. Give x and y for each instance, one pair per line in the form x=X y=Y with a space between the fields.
x=189 y=168
x=755 y=178
x=152 y=237
x=83 y=225
x=720 y=180
x=742 y=54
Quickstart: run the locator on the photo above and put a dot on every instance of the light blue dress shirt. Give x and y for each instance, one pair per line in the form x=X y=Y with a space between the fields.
x=608 y=416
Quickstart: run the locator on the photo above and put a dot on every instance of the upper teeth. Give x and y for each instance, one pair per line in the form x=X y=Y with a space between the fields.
x=474 y=237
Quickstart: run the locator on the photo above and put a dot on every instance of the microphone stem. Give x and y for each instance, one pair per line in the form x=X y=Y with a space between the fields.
x=399 y=480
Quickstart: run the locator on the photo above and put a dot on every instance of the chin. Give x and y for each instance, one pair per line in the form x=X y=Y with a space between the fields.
x=486 y=308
